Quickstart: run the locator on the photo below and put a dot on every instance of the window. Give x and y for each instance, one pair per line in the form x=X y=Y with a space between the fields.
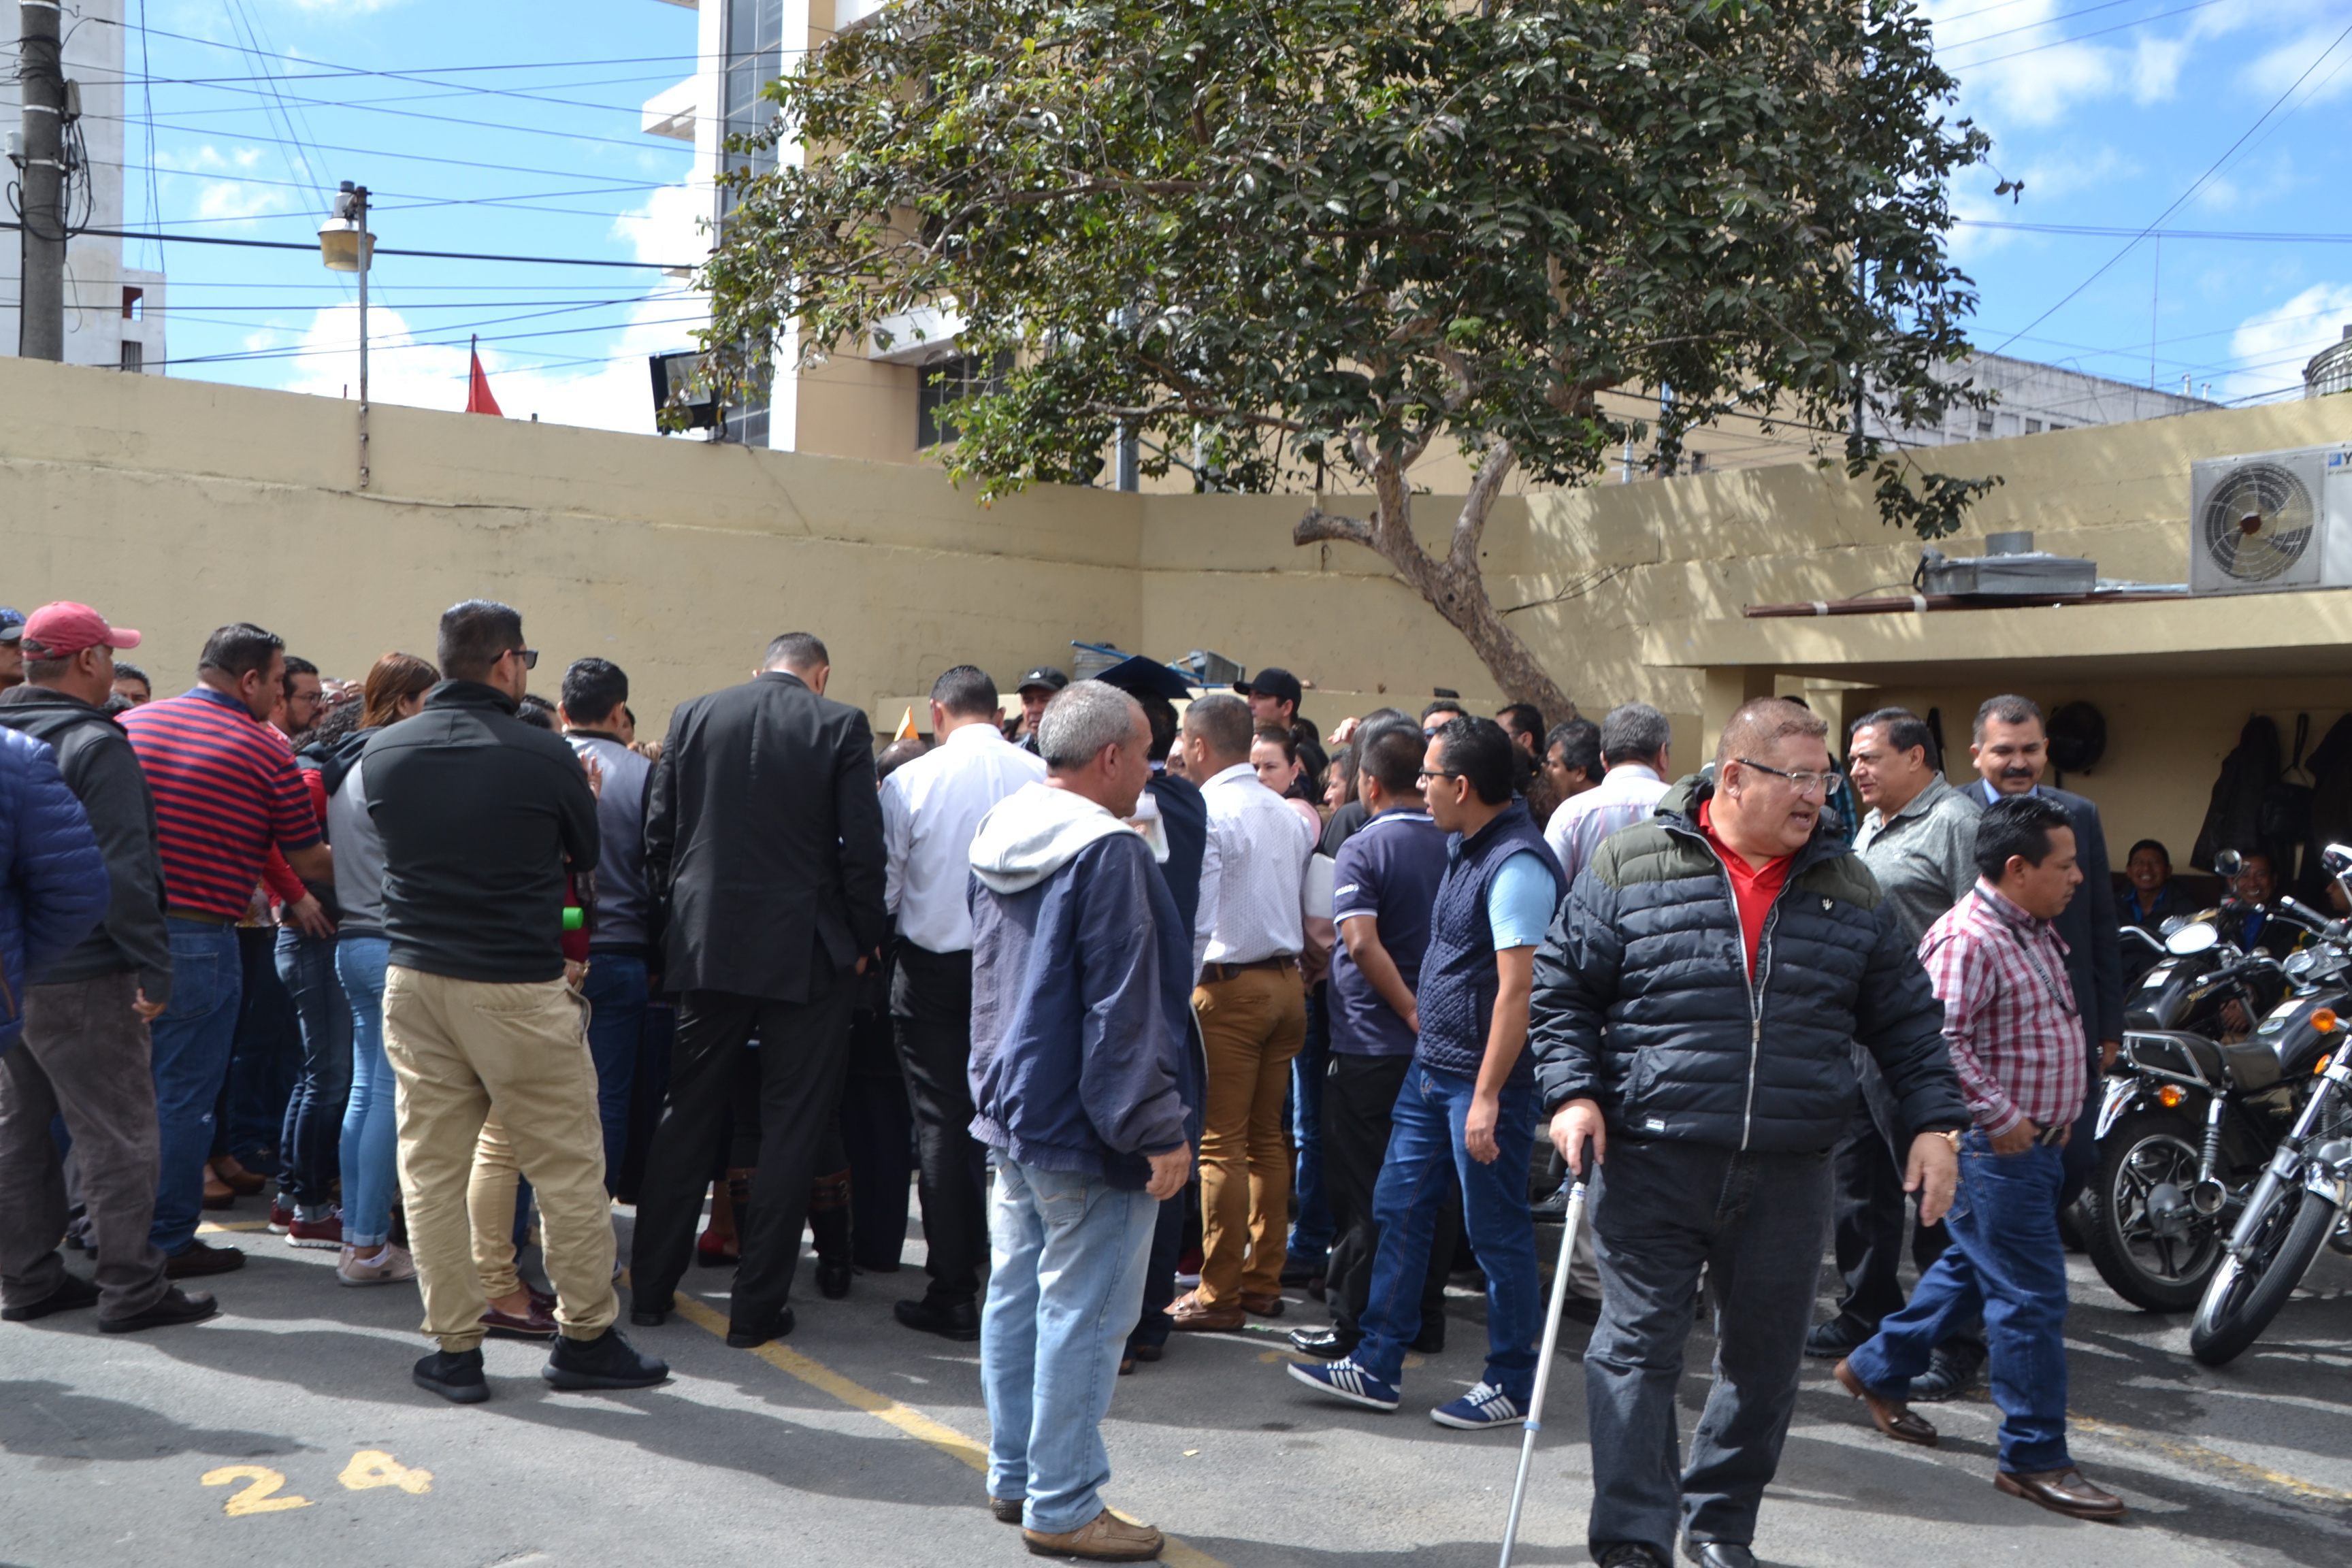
x=134 y=354
x=2033 y=427
x=942 y=384
x=134 y=307
x=1984 y=421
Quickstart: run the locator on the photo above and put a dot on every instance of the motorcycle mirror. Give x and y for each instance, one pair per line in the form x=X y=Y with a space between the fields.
x=2172 y=923
x=2228 y=863
x=2337 y=859
x=2191 y=939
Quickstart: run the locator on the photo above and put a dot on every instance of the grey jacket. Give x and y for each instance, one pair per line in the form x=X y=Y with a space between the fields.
x=358 y=857
x=1924 y=856
x=98 y=764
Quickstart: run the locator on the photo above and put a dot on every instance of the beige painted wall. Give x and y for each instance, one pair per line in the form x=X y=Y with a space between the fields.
x=176 y=506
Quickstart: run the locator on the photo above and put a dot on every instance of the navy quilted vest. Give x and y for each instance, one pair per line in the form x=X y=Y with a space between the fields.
x=1458 y=981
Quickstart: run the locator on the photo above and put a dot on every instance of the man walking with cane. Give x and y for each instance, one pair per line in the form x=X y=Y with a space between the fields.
x=1681 y=938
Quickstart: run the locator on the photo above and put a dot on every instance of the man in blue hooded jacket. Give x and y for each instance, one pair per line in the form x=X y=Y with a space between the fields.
x=1084 y=1095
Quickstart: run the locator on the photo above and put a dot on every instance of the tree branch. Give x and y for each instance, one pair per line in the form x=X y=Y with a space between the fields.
x=1320 y=527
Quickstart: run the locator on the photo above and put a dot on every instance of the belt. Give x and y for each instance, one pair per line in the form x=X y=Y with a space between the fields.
x=1215 y=974
x=200 y=917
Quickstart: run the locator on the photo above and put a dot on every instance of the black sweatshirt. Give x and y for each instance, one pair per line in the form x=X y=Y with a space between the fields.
x=478 y=812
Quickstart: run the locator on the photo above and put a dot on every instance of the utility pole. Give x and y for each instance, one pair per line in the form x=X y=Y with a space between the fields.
x=359 y=216
x=41 y=84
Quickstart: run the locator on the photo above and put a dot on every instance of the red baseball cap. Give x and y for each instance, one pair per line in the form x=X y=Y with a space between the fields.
x=65 y=628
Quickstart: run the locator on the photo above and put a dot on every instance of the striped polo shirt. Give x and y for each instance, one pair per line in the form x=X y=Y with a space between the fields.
x=225 y=788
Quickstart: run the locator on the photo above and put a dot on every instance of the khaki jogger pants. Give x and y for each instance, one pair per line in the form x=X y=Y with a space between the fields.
x=462 y=1049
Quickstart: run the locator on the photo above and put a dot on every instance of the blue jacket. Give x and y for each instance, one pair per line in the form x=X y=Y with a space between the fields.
x=1081 y=987
x=53 y=884
x=1458 y=981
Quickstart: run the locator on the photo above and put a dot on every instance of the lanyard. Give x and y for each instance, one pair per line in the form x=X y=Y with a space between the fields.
x=2058 y=994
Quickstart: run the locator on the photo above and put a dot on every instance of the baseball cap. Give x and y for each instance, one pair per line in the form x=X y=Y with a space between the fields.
x=12 y=623
x=1145 y=676
x=1045 y=675
x=1279 y=684
x=65 y=628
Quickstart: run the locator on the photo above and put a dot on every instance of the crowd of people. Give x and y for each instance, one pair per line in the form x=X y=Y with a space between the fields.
x=1168 y=1004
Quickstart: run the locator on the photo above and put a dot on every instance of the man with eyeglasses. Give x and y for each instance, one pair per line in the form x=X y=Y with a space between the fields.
x=1694 y=1008
x=480 y=815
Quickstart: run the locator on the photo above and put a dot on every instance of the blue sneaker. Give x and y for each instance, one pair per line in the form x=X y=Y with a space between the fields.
x=1483 y=1406
x=1343 y=1379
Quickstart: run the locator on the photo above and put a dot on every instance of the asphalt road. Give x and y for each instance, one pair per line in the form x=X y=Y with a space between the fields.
x=852 y=1443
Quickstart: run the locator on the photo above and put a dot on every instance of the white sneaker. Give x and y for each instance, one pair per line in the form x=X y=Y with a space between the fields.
x=386 y=1268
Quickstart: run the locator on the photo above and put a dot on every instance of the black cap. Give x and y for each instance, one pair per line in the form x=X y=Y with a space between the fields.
x=1279 y=684
x=1045 y=675
x=1140 y=677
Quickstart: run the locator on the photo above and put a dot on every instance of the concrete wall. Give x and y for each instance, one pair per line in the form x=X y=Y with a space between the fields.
x=176 y=506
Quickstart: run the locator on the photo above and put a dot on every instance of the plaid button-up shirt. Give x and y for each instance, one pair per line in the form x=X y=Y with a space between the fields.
x=2009 y=1015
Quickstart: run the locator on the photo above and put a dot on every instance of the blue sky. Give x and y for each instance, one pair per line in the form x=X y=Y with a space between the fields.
x=2110 y=110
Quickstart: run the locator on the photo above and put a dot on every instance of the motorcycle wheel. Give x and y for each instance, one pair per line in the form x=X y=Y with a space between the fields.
x=2246 y=1294
x=2156 y=1273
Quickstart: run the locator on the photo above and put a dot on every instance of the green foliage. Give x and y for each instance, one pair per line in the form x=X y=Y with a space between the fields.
x=1287 y=234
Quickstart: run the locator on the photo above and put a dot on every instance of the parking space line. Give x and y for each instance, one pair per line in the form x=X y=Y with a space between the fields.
x=913 y=1423
x=2212 y=1461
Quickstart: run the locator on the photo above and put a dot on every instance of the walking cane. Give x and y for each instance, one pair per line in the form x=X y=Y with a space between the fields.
x=1543 y=1361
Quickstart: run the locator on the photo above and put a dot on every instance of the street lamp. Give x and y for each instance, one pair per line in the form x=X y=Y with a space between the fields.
x=346 y=245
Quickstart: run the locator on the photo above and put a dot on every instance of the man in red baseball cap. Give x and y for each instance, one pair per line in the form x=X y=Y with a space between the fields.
x=84 y=1054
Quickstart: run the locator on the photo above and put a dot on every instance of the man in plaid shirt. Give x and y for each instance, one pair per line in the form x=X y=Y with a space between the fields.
x=2016 y=1037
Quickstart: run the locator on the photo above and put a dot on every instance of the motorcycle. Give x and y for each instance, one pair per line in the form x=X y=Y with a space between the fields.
x=2305 y=1191
x=2214 y=1069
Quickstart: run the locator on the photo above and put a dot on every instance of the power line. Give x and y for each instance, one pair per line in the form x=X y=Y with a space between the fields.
x=378 y=250
x=415 y=157
x=2176 y=202
x=2029 y=26
x=2101 y=231
x=252 y=355
x=2081 y=37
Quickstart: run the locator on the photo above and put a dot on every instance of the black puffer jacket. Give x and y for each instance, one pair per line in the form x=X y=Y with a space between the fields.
x=1642 y=1001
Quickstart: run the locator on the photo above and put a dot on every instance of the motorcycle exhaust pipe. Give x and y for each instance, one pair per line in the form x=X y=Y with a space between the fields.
x=2207 y=1196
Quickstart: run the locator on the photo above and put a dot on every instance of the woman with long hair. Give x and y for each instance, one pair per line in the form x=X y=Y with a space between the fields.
x=395 y=690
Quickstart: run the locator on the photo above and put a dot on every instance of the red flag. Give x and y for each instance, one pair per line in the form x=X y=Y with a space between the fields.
x=478 y=391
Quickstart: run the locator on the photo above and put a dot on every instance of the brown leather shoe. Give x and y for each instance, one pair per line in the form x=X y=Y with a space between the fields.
x=219 y=1194
x=1105 y=1537
x=1188 y=1312
x=235 y=1177
x=1894 y=1419
x=534 y=1323
x=2060 y=1491
x=1263 y=1306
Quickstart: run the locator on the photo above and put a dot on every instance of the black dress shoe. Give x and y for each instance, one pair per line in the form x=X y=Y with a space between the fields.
x=1330 y=1344
x=1627 y=1554
x=832 y=1280
x=951 y=1320
x=1298 y=1270
x=645 y=1318
x=1837 y=1338
x=1147 y=1352
x=198 y=1259
x=173 y=1308
x=608 y=1360
x=1718 y=1553
x=454 y=1376
x=1951 y=1372
x=743 y=1338
x=71 y=1292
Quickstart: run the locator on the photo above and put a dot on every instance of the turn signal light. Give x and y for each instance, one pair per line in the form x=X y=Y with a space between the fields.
x=2324 y=1020
x=2168 y=1096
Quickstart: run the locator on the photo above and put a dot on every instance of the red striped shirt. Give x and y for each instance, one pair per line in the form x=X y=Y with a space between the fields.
x=225 y=789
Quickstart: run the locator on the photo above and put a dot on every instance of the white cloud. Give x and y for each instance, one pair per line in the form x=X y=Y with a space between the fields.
x=2045 y=181
x=2271 y=348
x=226 y=199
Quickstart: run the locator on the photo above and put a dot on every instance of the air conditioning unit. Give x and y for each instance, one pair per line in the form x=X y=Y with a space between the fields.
x=2270 y=521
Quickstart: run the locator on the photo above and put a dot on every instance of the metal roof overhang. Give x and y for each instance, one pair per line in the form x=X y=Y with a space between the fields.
x=2307 y=632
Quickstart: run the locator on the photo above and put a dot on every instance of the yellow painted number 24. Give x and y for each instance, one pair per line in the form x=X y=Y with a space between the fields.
x=369 y=1467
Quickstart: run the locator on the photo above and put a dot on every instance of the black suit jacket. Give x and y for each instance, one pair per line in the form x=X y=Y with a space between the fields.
x=763 y=841
x=2095 y=963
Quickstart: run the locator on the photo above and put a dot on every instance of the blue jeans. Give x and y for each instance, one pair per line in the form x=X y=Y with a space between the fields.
x=2006 y=1261
x=314 y=1112
x=1424 y=1145
x=370 y=1148
x=191 y=1042
x=1065 y=1286
x=1311 y=1232
x=615 y=989
x=263 y=1061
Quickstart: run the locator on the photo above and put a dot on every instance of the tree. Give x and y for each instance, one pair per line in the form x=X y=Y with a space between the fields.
x=1268 y=239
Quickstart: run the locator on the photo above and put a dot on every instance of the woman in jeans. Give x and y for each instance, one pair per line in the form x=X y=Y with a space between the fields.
x=395 y=690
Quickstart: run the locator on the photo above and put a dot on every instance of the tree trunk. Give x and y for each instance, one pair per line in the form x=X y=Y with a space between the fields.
x=1454 y=586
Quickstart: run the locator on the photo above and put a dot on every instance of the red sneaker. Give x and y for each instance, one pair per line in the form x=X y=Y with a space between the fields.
x=281 y=1219
x=326 y=1233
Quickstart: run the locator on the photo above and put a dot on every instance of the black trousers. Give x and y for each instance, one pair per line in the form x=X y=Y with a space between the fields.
x=1870 y=1212
x=803 y=1051
x=876 y=1133
x=1360 y=1095
x=930 y=1009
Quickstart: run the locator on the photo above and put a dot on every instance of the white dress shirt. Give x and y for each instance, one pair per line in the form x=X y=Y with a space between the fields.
x=1253 y=872
x=1625 y=795
x=931 y=808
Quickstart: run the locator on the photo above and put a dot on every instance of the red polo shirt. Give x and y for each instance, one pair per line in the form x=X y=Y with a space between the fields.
x=1753 y=888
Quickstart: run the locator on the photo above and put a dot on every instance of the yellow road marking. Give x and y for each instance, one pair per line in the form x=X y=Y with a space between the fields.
x=232 y=1225
x=913 y=1423
x=2207 y=1459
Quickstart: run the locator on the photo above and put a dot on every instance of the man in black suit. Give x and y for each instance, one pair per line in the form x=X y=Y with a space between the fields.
x=2010 y=750
x=763 y=841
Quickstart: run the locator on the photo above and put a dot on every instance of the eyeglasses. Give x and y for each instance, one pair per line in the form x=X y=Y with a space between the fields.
x=529 y=657
x=1428 y=773
x=1806 y=783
